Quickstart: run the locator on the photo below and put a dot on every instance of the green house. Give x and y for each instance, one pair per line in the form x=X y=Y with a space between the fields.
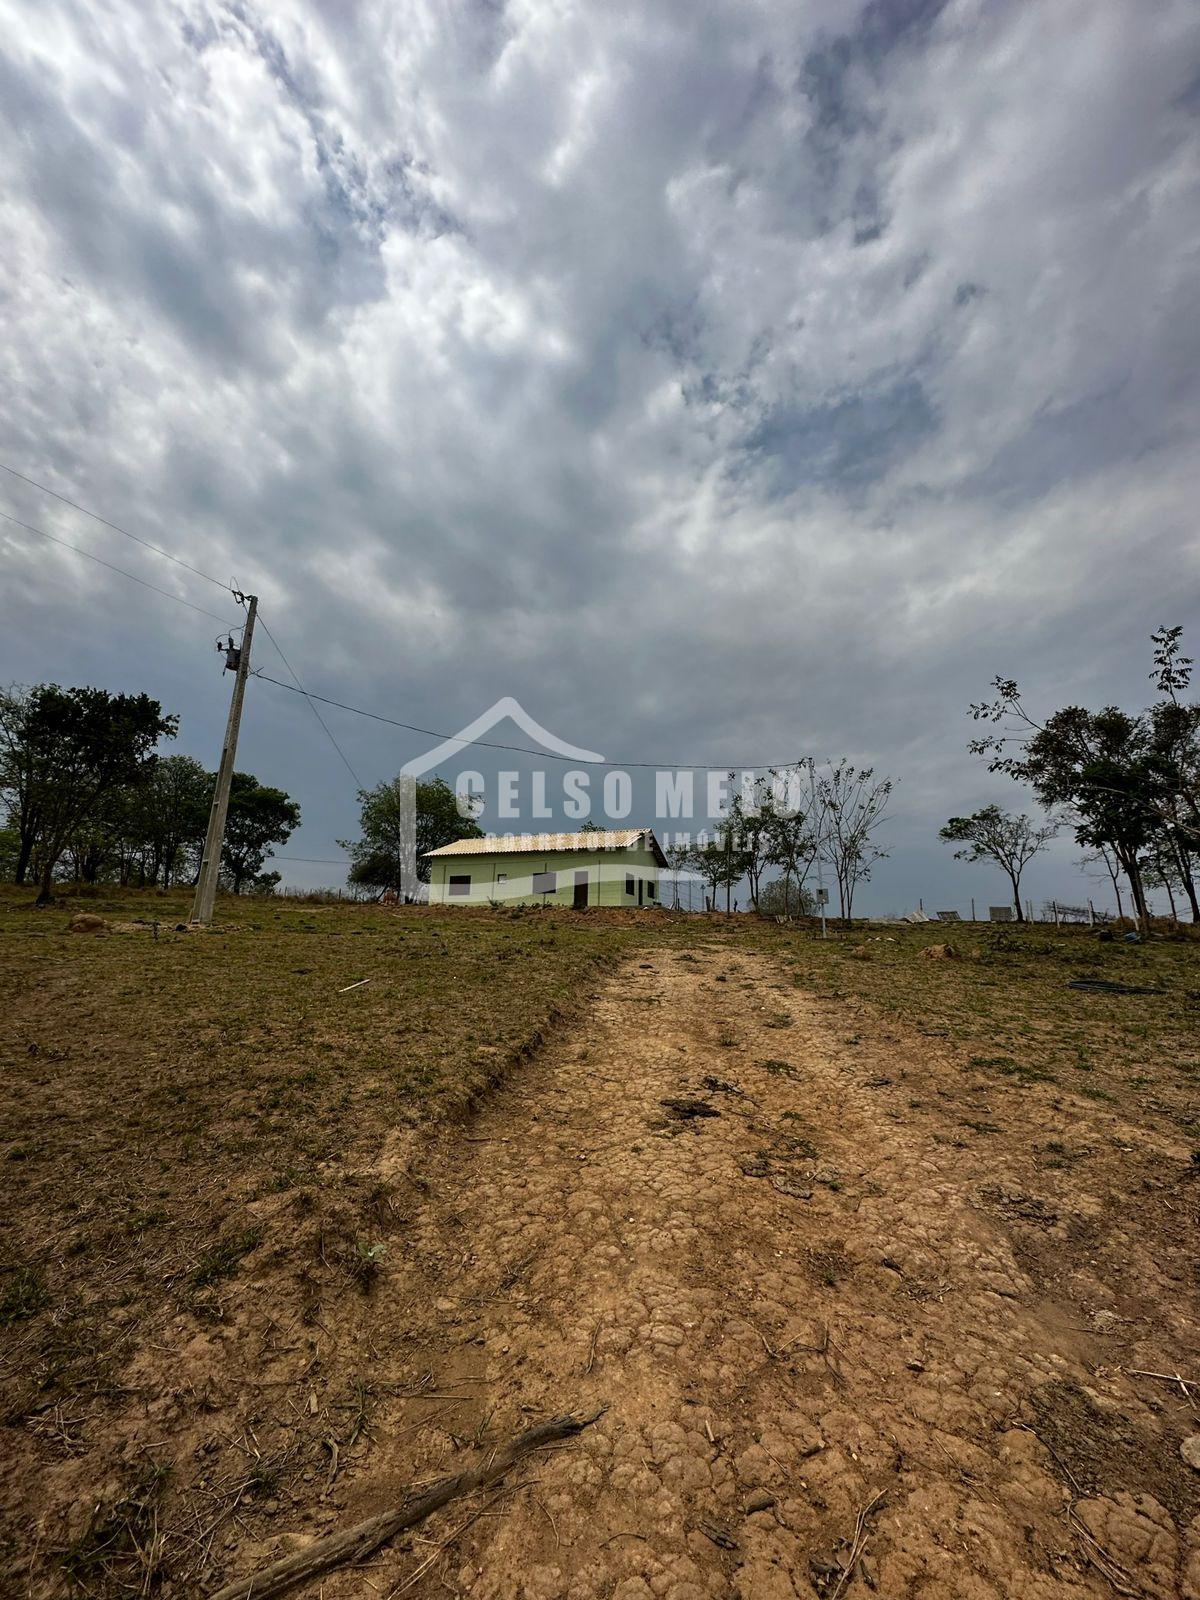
x=617 y=867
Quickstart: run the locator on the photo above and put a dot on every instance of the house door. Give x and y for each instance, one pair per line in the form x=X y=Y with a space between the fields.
x=641 y=889
x=581 y=891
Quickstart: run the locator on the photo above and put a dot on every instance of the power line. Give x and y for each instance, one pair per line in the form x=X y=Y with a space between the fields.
x=345 y=760
x=100 y=561
x=179 y=562
x=526 y=750
x=297 y=687
x=316 y=861
x=116 y=527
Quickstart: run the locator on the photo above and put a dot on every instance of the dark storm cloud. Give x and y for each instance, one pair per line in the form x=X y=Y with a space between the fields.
x=719 y=381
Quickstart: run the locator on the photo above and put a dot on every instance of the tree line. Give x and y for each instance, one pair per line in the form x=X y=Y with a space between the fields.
x=1127 y=784
x=86 y=797
x=772 y=825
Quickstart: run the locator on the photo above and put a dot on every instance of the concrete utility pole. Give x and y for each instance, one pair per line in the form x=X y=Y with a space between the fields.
x=214 y=839
x=822 y=897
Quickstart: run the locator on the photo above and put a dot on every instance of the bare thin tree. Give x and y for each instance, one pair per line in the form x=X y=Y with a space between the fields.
x=853 y=803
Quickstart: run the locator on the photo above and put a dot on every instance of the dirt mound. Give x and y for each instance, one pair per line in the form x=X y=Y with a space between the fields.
x=940 y=952
x=88 y=922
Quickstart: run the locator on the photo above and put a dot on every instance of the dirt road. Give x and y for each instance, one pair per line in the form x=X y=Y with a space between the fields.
x=843 y=1350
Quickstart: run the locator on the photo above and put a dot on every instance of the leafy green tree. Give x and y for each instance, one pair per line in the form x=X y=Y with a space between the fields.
x=783 y=898
x=1173 y=738
x=9 y=844
x=63 y=754
x=751 y=821
x=1095 y=764
x=1131 y=782
x=994 y=835
x=259 y=818
x=386 y=818
x=174 y=817
x=720 y=861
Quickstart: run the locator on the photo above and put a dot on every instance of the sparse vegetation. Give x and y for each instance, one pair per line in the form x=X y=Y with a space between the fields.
x=197 y=1129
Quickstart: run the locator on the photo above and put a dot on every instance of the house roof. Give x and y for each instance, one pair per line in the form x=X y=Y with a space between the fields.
x=512 y=844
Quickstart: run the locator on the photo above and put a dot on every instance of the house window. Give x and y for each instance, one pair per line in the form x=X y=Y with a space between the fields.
x=629 y=884
x=460 y=884
x=502 y=877
x=544 y=883
x=649 y=889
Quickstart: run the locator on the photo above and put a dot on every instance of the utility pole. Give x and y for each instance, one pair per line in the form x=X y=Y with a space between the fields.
x=210 y=861
x=822 y=897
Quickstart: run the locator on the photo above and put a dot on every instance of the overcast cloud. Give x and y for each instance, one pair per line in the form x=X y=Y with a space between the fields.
x=726 y=381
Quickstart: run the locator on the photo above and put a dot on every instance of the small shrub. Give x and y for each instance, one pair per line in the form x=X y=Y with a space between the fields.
x=364 y=1263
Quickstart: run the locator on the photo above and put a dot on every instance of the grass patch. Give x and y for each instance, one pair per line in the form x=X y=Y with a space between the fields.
x=23 y=1296
x=1008 y=1068
x=224 y=1259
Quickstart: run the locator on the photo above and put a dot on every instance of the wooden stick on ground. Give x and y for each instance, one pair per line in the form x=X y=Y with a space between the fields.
x=357 y=1543
x=857 y=1544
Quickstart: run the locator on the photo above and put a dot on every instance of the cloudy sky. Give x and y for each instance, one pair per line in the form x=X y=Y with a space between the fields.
x=727 y=380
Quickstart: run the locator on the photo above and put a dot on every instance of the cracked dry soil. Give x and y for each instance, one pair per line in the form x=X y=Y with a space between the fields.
x=839 y=1352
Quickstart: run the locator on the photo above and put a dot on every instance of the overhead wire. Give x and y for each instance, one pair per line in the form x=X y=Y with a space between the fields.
x=116 y=527
x=167 y=555
x=297 y=687
x=527 y=750
x=328 y=733
x=100 y=561
x=315 y=861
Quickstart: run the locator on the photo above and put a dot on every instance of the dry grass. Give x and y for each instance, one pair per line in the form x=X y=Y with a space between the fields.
x=191 y=1131
x=209 y=1152
x=1008 y=1007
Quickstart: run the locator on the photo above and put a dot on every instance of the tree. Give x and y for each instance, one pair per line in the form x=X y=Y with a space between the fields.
x=174 y=816
x=9 y=843
x=1174 y=754
x=1087 y=863
x=63 y=753
x=19 y=777
x=782 y=898
x=751 y=819
x=995 y=835
x=1096 y=764
x=793 y=843
x=720 y=862
x=1130 y=781
x=679 y=859
x=386 y=819
x=853 y=804
x=259 y=817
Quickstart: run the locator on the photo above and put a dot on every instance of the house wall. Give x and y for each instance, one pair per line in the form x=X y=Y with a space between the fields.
x=606 y=870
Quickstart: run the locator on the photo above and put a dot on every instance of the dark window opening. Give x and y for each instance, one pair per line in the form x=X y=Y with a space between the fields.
x=629 y=886
x=460 y=884
x=649 y=889
x=544 y=883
